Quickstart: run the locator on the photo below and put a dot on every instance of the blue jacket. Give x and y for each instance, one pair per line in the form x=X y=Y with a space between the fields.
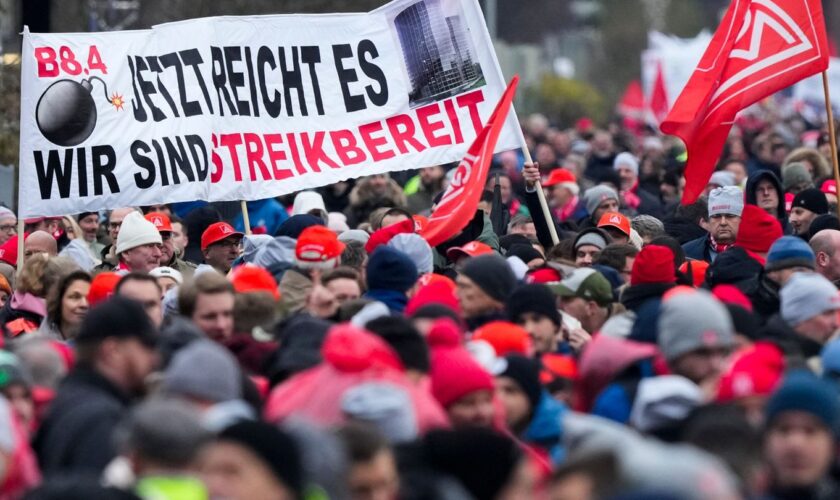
x=700 y=249
x=546 y=428
x=268 y=213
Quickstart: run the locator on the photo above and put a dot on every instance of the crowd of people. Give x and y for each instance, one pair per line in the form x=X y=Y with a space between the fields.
x=657 y=350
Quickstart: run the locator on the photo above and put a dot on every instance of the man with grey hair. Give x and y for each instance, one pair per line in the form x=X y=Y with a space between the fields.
x=524 y=225
x=161 y=441
x=648 y=227
x=825 y=244
x=725 y=207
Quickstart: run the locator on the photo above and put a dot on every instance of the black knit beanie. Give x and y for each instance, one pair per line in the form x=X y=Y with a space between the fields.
x=491 y=273
x=526 y=374
x=533 y=298
x=279 y=451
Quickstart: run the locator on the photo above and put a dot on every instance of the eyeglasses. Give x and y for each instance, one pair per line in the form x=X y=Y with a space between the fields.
x=8 y=228
x=228 y=243
x=114 y=225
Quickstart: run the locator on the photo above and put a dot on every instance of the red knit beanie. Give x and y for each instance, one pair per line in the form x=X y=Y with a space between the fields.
x=758 y=230
x=505 y=337
x=654 y=264
x=754 y=372
x=436 y=292
x=454 y=373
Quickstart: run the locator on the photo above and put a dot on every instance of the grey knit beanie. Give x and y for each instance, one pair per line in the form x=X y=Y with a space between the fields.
x=692 y=321
x=204 y=370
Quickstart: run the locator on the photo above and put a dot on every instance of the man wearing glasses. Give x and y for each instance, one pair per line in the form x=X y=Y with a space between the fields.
x=8 y=224
x=138 y=245
x=169 y=257
x=115 y=220
x=221 y=245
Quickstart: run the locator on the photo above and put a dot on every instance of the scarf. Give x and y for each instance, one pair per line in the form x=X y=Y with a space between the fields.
x=718 y=248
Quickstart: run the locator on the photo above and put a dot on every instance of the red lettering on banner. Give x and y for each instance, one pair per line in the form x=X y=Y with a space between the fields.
x=276 y=155
x=404 y=136
x=47 y=64
x=253 y=154
x=314 y=151
x=293 y=149
x=470 y=101
x=373 y=143
x=216 y=175
x=345 y=146
x=453 y=119
x=429 y=127
x=230 y=141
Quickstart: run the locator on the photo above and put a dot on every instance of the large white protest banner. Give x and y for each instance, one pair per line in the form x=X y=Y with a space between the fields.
x=235 y=108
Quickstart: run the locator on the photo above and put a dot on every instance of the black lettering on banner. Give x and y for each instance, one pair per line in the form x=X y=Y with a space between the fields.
x=178 y=159
x=292 y=79
x=347 y=76
x=198 y=151
x=104 y=169
x=252 y=85
x=54 y=172
x=137 y=148
x=164 y=177
x=147 y=89
x=82 y=170
x=192 y=57
x=155 y=66
x=266 y=58
x=366 y=47
x=136 y=103
x=219 y=80
x=310 y=55
x=236 y=78
x=171 y=60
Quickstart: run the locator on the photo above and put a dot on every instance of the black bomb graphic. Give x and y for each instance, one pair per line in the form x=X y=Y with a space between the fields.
x=66 y=111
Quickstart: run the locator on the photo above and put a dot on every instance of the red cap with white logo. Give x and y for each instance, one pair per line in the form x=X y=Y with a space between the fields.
x=216 y=233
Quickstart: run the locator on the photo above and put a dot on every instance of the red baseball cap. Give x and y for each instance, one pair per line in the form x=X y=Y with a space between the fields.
x=559 y=176
x=829 y=187
x=9 y=250
x=616 y=220
x=102 y=286
x=250 y=278
x=318 y=247
x=217 y=232
x=471 y=249
x=161 y=221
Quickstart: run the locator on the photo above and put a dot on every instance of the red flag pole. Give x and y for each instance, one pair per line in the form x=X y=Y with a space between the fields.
x=831 y=134
x=541 y=195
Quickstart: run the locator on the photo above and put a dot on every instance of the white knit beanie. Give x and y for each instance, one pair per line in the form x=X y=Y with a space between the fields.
x=136 y=231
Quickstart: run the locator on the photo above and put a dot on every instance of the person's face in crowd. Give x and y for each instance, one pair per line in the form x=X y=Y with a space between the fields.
x=164 y=209
x=3 y=297
x=778 y=152
x=545 y=156
x=528 y=230
x=135 y=361
x=820 y=328
x=378 y=183
x=179 y=237
x=575 y=307
x=115 y=222
x=473 y=300
x=562 y=143
x=739 y=170
x=602 y=145
x=724 y=227
x=40 y=242
x=628 y=269
x=829 y=265
x=585 y=255
x=474 y=409
x=560 y=195
x=376 y=479
x=221 y=254
x=344 y=289
x=213 y=314
x=8 y=228
x=167 y=249
x=577 y=485
x=628 y=177
x=431 y=176
x=504 y=187
x=767 y=197
x=513 y=398
x=232 y=471
x=800 y=219
x=617 y=235
x=90 y=225
x=605 y=206
x=392 y=219
x=20 y=397
x=702 y=366
x=799 y=449
x=148 y=295
x=736 y=148
x=668 y=192
x=542 y=330
x=166 y=283
x=832 y=202
x=74 y=304
x=143 y=258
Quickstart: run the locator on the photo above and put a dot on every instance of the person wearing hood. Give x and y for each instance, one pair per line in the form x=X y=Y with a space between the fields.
x=390 y=274
x=634 y=198
x=764 y=189
x=725 y=207
x=532 y=414
x=484 y=284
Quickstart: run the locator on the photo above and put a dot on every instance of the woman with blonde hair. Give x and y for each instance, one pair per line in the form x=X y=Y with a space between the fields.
x=27 y=307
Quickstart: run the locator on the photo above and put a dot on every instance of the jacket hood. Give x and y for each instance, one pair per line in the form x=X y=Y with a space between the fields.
x=602 y=360
x=752 y=184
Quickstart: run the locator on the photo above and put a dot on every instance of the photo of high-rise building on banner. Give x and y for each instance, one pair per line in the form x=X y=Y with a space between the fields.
x=439 y=55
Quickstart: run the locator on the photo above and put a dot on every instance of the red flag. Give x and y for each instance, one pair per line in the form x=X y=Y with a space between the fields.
x=458 y=204
x=632 y=106
x=659 y=96
x=760 y=47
